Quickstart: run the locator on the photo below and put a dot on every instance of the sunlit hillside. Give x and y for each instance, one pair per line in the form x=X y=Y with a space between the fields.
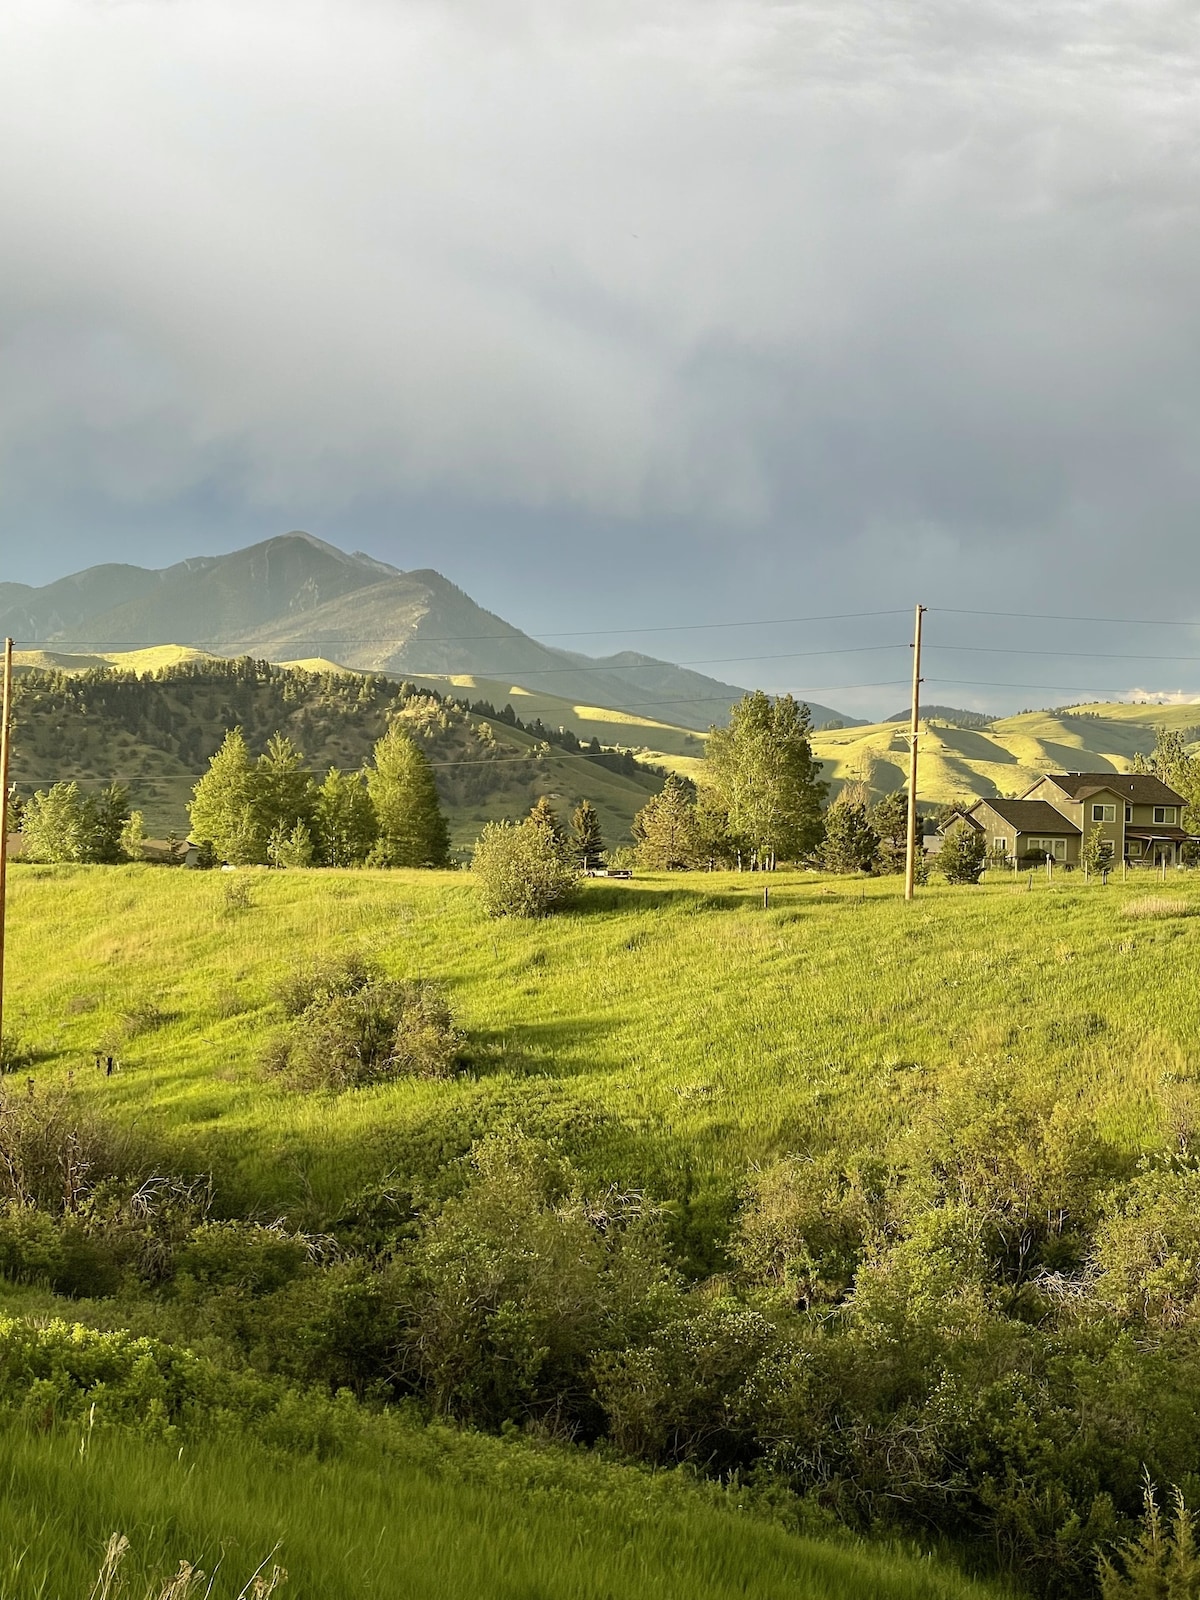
x=1005 y=758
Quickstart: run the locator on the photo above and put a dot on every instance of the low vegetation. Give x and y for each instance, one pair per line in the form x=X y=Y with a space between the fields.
x=887 y=1211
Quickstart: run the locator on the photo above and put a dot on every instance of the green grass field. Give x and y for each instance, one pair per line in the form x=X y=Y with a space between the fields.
x=670 y=1030
x=448 y=1519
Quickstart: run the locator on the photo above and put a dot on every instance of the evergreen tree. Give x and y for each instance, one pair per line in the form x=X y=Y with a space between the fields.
x=223 y=808
x=665 y=830
x=545 y=816
x=762 y=768
x=346 y=824
x=890 y=821
x=291 y=847
x=283 y=790
x=851 y=843
x=586 y=837
x=104 y=817
x=961 y=857
x=412 y=829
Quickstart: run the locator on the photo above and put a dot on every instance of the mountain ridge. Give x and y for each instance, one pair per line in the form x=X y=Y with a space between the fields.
x=296 y=595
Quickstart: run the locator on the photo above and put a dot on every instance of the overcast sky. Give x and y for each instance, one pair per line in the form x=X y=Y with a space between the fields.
x=627 y=315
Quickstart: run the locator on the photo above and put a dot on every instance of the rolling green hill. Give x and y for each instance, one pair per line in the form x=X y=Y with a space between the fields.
x=152 y=718
x=1008 y=756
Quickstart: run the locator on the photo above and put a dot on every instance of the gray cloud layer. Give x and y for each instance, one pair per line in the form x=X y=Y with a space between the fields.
x=841 y=304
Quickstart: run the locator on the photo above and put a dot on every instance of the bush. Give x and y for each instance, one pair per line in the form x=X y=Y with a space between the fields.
x=962 y=855
x=381 y=1029
x=522 y=869
x=341 y=975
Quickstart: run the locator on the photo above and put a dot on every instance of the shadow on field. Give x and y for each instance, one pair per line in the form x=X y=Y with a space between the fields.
x=533 y=1049
x=599 y=896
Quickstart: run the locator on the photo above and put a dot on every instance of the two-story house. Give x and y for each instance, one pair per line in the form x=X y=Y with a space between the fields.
x=1138 y=816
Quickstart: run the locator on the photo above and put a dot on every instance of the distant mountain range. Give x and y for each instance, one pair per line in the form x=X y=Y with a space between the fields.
x=295 y=598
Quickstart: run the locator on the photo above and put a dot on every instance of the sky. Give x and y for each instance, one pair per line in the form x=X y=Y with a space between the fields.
x=629 y=317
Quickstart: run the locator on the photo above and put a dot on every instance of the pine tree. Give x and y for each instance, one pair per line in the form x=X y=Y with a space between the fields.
x=223 y=807
x=586 y=837
x=666 y=831
x=545 y=816
x=851 y=844
x=961 y=857
x=346 y=824
x=764 y=772
x=890 y=821
x=412 y=829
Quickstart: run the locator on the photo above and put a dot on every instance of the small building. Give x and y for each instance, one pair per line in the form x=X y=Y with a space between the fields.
x=1027 y=831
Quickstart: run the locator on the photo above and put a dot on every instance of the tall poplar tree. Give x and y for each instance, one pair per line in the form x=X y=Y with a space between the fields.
x=412 y=829
x=767 y=778
x=346 y=824
x=222 y=808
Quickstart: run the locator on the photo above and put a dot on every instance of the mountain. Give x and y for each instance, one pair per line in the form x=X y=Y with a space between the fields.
x=296 y=597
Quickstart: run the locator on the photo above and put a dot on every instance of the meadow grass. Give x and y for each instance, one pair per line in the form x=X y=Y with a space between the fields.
x=670 y=1030
x=403 y=1530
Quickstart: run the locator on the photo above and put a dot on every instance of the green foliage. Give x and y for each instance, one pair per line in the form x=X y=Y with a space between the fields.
x=346 y=824
x=1094 y=853
x=763 y=770
x=1147 y=1250
x=355 y=1033
x=587 y=838
x=133 y=837
x=850 y=843
x=1160 y=1563
x=291 y=848
x=223 y=807
x=889 y=819
x=666 y=830
x=522 y=870
x=62 y=824
x=412 y=829
x=962 y=856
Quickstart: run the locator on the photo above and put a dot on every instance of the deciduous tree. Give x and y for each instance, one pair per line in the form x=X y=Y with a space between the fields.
x=763 y=769
x=412 y=829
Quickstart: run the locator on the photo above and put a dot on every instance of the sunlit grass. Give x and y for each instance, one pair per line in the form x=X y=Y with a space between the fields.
x=671 y=1027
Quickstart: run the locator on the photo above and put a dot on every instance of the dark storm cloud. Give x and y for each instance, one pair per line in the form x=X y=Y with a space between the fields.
x=845 y=302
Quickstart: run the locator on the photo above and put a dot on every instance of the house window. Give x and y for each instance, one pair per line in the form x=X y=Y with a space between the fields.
x=1135 y=847
x=1128 y=813
x=1104 y=813
x=999 y=846
x=1048 y=847
x=1164 y=813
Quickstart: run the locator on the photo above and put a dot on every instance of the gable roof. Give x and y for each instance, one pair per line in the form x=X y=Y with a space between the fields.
x=1031 y=816
x=1137 y=788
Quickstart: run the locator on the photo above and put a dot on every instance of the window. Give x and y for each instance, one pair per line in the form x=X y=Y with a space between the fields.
x=1104 y=813
x=1135 y=847
x=1128 y=813
x=1048 y=847
x=1164 y=813
x=999 y=846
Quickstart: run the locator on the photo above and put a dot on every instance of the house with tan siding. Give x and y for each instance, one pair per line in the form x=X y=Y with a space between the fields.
x=1139 y=818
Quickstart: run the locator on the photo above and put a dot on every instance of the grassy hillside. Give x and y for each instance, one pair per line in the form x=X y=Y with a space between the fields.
x=865 y=1201
x=833 y=1018
x=1005 y=758
x=152 y=718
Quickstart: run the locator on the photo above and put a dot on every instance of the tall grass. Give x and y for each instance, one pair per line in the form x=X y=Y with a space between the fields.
x=349 y=1530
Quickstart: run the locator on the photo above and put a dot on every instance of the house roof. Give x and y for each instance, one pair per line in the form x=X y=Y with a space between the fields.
x=1158 y=831
x=1031 y=816
x=1138 y=788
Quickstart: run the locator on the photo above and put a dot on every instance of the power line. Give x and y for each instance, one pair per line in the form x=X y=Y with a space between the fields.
x=1051 y=616
x=1086 y=655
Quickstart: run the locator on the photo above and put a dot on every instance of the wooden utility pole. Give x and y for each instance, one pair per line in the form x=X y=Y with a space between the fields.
x=5 y=746
x=910 y=859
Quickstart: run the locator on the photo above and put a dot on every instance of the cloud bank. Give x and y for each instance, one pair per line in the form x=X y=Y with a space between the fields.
x=848 y=302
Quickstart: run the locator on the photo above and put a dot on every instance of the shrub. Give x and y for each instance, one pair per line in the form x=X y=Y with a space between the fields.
x=522 y=869
x=381 y=1029
x=1161 y=1560
x=342 y=975
x=962 y=855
